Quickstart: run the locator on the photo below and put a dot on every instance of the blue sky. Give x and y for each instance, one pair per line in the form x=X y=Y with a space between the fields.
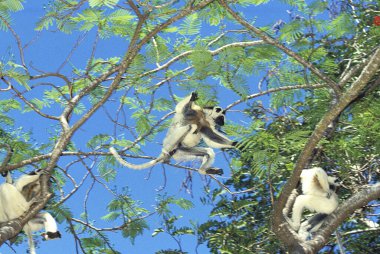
x=47 y=53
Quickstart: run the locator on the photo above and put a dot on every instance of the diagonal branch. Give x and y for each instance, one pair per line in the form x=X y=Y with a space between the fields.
x=264 y=36
x=348 y=207
x=273 y=90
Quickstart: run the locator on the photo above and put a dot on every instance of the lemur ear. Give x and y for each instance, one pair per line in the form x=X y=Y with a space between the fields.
x=217 y=109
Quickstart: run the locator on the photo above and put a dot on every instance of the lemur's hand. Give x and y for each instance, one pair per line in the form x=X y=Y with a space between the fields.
x=194 y=96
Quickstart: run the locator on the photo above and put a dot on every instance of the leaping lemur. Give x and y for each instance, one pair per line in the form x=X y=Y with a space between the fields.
x=191 y=124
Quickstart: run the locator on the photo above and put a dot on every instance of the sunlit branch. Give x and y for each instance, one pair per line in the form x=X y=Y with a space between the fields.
x=32 y=106
x=157 y=85
x=212 y=52
x=349 y=74
x=361 y=231
x=89 y=225
x=7 y=83
x=18 y=41
x=224 y=34
x=273 y=90
x=228 y=190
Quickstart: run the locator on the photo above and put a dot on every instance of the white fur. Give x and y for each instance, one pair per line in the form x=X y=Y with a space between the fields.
x=182 y=134
x=316 y=195
x=13 y=204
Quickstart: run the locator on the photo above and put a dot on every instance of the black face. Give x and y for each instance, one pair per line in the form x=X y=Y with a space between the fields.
x=53 y=235
x=220 y=120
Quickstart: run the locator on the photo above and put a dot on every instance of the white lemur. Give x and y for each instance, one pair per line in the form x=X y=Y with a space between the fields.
x=191 y=123
x=318 y=195
x=16 y=198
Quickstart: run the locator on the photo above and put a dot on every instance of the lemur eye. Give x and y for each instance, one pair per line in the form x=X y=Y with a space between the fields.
x=217 y=110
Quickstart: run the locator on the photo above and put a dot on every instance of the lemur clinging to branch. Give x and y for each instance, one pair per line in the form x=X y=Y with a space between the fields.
x=16 y=199
x=318 y=195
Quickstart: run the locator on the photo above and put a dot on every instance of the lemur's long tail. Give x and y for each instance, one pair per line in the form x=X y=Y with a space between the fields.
x=134 y=166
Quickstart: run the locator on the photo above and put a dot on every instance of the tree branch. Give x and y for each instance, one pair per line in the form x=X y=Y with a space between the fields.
x=273 y=90
x=332 y=84
x=348 y=207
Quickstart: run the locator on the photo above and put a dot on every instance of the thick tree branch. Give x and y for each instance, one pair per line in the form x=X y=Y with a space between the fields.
x=348 y=207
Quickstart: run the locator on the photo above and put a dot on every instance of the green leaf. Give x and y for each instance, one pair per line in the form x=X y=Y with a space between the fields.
x=157 y=231
x=108 y=3
x=111 y=216
x=200 y=58
x=191 y=25
x=183 y=231
x=11 y=5
x=121 y=17
x=90 y=18
x=134 y=229
x=183 y=203
x=44 y=23
x=342 y=25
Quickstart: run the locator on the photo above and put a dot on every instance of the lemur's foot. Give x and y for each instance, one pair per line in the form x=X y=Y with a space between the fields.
x=294 y=226
x=214 y=171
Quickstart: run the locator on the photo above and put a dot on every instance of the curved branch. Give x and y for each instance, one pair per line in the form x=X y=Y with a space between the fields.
x=18 y=40
x=7 y=83
x=212 y=52
x=273 y=90
x=113 y=228
x=32 y=106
